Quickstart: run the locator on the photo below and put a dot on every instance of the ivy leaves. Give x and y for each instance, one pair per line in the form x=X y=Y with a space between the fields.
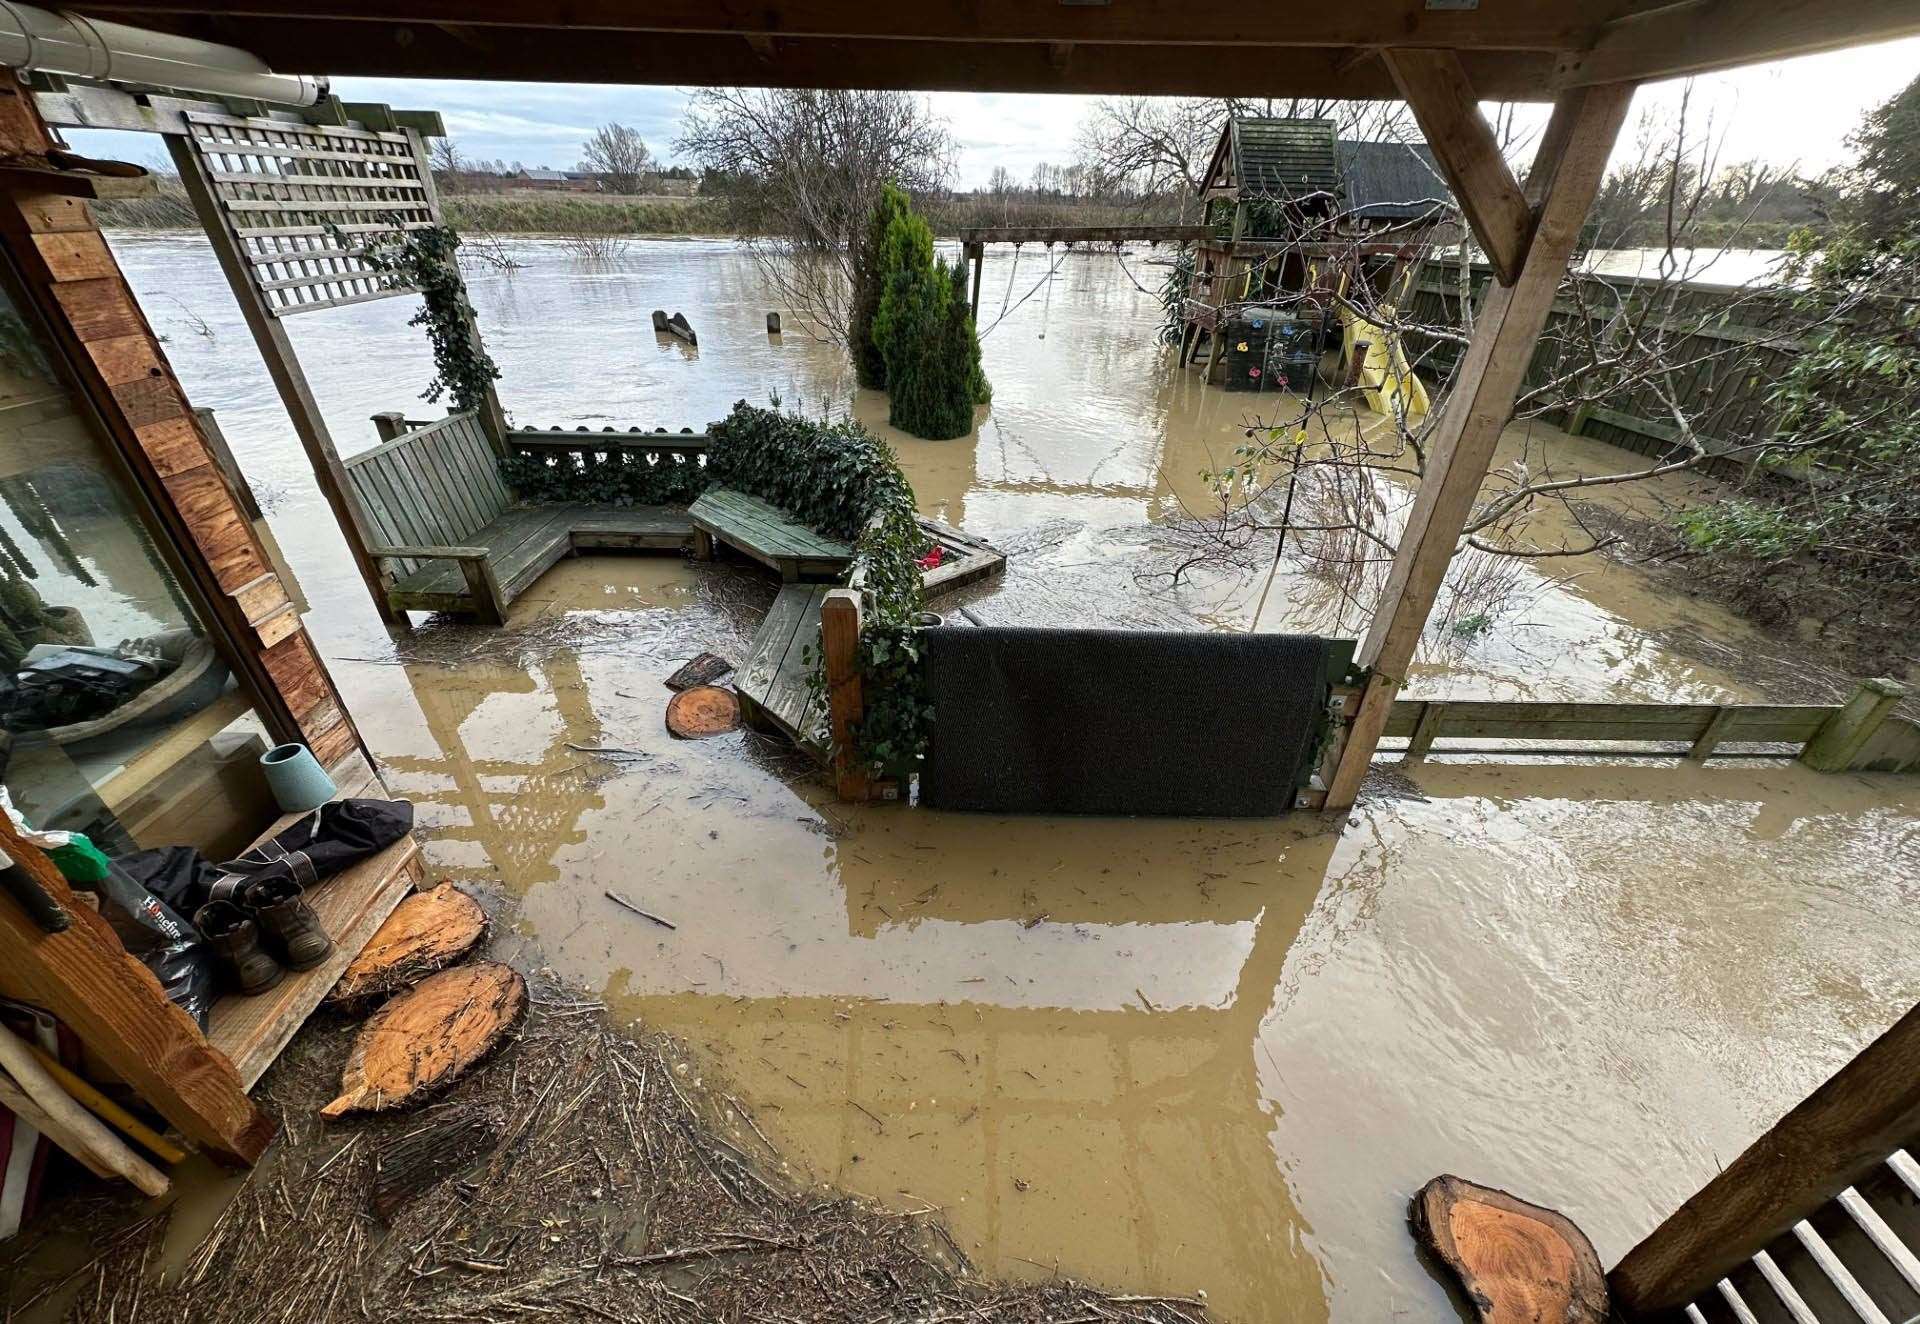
x=424 y=260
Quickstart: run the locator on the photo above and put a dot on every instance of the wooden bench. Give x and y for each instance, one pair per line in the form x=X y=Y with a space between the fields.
x=449 y=537
x=774 y=681
x=767 y=534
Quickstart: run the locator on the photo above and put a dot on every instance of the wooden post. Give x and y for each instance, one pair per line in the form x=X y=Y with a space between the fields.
x=977 y=252
x=1565 y=176
x=86 y=978
x=840 y=646
x=389 y=424
x=1709 y=739
x=1431 y=716
x=1845 y=1128
x=270 y=337
x=1844 y=734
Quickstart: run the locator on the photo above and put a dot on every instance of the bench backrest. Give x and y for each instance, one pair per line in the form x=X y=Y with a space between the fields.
x=436 y=485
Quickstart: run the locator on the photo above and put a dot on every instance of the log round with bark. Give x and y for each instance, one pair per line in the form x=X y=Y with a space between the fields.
x=705 y=710
x=426 y=933
x=425 y=1038
x=1518 y=1263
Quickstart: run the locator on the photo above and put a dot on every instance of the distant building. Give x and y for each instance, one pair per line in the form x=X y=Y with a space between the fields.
x=555 y=181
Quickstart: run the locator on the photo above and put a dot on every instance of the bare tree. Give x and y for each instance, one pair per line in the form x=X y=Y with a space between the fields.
x=809 y=165
x=616 y=153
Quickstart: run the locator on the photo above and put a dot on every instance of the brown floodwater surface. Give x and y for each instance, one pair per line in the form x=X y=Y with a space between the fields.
x=1165 y=1056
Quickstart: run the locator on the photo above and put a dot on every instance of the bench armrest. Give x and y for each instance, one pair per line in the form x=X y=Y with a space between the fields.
x=431 y=553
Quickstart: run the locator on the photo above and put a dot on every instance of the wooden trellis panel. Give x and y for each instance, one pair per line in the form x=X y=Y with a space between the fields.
x=283 y=188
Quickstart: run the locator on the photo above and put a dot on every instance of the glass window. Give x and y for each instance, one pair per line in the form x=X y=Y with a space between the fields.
x=119 y=714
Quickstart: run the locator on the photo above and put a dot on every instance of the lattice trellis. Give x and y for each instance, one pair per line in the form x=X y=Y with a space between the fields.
x=279 y=185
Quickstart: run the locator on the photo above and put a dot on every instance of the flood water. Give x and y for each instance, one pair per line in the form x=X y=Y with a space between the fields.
x=1165 y=1056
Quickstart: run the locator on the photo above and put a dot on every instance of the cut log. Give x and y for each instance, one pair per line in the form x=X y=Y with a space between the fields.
x=425 y=934
x=702 y=670
x=424 y=1039
x=1517 y=1262
x=703 y=711
x=412 y=1164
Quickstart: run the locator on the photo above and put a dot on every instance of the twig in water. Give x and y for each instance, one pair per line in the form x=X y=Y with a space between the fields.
x=619 y=900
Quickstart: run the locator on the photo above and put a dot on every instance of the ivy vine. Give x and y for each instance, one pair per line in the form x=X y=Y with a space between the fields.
x=424 y=259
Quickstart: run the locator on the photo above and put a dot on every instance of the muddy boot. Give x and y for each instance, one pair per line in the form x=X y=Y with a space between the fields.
x=280 y=905
x=235 y=939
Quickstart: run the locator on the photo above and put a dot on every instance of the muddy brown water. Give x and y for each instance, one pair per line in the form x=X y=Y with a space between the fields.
x=1168 y=1056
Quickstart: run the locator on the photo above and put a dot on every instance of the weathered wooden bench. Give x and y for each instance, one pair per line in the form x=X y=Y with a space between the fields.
x=449 y=537
x=774 y=681
x=767 y=534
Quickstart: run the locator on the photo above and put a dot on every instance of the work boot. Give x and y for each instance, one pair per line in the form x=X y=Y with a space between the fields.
x=280 y=905
x=235 y=939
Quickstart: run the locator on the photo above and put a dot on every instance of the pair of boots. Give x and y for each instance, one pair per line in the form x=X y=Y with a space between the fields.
x=275 y=908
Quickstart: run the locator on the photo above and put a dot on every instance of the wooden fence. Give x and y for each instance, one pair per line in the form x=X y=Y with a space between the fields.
x=1728 y=344
x=581 y=450
x=1859 y=735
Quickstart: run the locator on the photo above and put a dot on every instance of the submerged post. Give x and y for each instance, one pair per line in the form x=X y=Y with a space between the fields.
x=1842 y=736
x=846 y=703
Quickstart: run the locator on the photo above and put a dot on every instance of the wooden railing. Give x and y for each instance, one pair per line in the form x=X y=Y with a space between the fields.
x=1859 y=735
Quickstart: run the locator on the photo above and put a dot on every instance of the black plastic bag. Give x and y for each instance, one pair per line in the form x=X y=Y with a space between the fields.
x=160 y=939
x=337 y=834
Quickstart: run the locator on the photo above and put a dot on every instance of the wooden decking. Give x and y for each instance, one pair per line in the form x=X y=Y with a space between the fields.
x=252 y=1031
x=762 y=531
x=524 y=543
x=964 y=560
x=775 y=681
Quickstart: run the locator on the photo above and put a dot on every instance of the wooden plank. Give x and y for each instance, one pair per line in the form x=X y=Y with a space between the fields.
x=791 y=699
x=1460 y=446
x=840 y=645
x=1831 y=1139
x=86 y=978
x=1703 y=35
x=1709 y=739
x=1435 y=85
x=768 y=648
x=1846 y=732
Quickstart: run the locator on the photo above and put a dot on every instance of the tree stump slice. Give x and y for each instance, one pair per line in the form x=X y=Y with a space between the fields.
x=424 y=1039
x=702 y=670
x=426 y=933
x=1518 y=1263
x=413 y=1164
x=703 y=711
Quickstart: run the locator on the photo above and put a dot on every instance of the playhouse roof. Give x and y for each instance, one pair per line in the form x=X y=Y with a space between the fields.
x=1391 y=181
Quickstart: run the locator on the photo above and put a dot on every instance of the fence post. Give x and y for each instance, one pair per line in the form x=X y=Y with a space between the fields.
x=840 y=648
x=389 y=424
x=1844 y=734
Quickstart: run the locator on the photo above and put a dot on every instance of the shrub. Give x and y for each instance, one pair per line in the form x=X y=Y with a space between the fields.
x=869 y=281
x=925 y=334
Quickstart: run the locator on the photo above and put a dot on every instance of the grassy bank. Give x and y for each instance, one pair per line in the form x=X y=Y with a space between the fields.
x=587 y=214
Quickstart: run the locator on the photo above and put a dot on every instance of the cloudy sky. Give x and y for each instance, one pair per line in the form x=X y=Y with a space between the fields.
x=1794 y=111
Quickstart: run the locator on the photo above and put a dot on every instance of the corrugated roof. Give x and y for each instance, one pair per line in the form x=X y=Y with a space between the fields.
x=1391 y=181
x=1284 y=158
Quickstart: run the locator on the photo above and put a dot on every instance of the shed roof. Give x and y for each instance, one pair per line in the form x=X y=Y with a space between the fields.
x=1284 y=158
x=1392 y=181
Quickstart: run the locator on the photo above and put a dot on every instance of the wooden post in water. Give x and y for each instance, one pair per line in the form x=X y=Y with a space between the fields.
x=1547 y=217
x=1845 y=734
x=977 y=254
x=840 y=647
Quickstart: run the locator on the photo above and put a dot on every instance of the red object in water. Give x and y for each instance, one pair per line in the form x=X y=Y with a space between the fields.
x=931 y=561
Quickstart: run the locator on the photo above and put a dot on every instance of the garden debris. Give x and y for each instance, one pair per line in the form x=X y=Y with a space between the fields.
x=426 y=933
x=411 y=1164
x=619 y=900
x=702 y=670
x=426 y=1037
x=614 y=1193
x=705 y=710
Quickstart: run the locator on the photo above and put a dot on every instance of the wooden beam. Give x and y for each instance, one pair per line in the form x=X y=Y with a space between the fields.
x=1703 y=35
x=573 y=54
x=1846 y=1127
x=1437 y=87
x=1843 y=735
x=283 y=366
x=1460 y=446
x=840 y=614
x=86 y=978
x=1538 y=25
x=1085 y=234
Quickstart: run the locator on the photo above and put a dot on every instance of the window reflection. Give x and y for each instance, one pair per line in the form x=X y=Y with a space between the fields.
x=119 y=717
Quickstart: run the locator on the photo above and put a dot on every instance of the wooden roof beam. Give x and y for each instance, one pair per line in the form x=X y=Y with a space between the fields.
x=1699 y=36
x=1521 y=25
x=1437 y=87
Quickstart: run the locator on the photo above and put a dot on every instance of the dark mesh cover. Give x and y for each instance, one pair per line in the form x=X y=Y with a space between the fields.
x=1120 y=721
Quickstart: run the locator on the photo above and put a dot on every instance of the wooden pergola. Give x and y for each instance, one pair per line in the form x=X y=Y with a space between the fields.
x=1444 y=57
